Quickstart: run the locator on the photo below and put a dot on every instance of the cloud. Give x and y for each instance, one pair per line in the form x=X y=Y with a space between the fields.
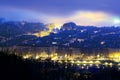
x=85 y=18
x=18 y=14
x=64 y=7
x=80 y=17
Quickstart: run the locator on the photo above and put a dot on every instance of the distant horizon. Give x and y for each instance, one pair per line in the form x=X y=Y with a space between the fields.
x=7 y=20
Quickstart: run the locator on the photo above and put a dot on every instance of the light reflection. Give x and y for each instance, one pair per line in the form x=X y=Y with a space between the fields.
x=98 y=66
x=119 y=64
x=84 y=64
x=119 y=68
x=91 y=65
x=82 y=67
x=111 y=64
x=106 y=63
x=59 y=61
x=87 y=67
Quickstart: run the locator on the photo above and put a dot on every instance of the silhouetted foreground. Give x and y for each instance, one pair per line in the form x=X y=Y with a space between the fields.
x=13 y=67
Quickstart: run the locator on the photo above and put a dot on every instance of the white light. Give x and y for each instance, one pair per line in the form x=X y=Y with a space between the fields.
x=116 y=21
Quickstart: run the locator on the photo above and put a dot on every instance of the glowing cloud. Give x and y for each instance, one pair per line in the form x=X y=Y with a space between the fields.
x=95 y=18
x=86 y=18
x=50 y=28
x=116 y=21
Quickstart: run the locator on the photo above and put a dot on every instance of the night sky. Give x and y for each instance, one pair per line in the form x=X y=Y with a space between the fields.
x=82 y=12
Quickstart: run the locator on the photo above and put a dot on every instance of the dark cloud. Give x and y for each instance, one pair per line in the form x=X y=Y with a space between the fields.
x=64 y=6
x=85 y=12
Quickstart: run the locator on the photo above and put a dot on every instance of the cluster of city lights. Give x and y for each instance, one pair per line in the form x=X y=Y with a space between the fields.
x=115 y=56
x=81 y=59
x=43 y=33
x=54 y=56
